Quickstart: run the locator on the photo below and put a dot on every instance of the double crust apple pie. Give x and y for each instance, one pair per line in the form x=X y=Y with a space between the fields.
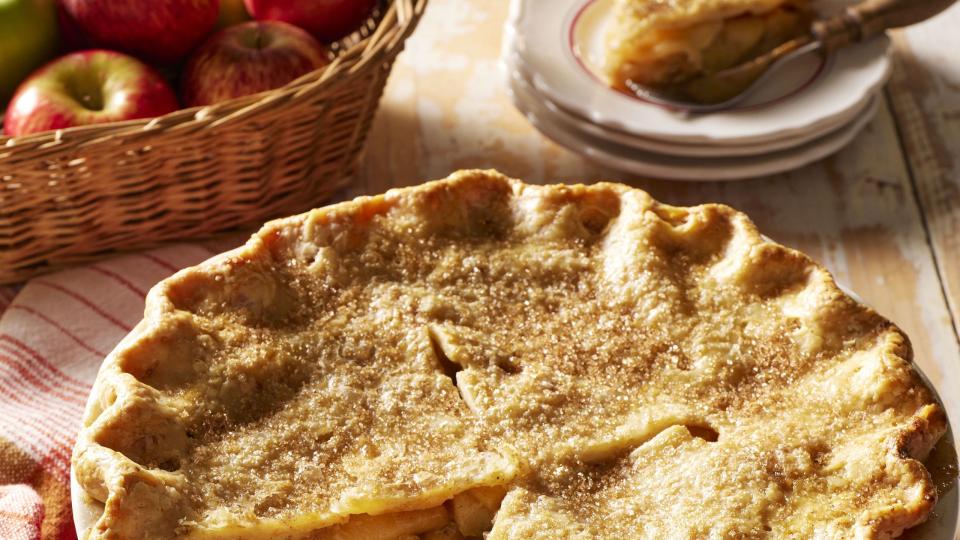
x=675 y=45
x=477 y=356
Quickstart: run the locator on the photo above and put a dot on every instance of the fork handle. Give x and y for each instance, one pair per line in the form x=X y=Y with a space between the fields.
x=871 y=17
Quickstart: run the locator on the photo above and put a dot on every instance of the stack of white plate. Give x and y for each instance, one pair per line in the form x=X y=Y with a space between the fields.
x=553 y=51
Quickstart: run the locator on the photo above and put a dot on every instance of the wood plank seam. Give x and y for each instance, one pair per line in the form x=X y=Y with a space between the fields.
x=915 y=191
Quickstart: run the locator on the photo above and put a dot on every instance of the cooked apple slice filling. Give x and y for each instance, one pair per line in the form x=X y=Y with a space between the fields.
x=468 y=514
x=678 y=57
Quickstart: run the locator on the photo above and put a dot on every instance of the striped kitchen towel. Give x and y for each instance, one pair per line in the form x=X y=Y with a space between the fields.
x=53 y=336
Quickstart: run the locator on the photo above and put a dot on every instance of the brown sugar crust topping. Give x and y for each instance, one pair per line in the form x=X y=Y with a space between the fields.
x=618 y=367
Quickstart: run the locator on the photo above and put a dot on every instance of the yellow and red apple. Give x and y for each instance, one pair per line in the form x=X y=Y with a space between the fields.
x=88 y=87
x=28 y=38
x=232 y=12
x=161 y=31
x=327 y=20
x=249 y=58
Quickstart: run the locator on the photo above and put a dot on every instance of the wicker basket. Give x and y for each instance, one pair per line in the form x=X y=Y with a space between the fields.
x=81 y=193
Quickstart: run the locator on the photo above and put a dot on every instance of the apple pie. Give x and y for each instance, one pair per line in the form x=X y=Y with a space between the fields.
x=480 y=357
x=674 y=45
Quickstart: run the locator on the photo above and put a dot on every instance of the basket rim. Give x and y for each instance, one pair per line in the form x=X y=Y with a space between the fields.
x=387 y=40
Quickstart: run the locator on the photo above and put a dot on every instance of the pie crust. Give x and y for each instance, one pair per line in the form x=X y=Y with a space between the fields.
x=606 y=365
x=674 y=45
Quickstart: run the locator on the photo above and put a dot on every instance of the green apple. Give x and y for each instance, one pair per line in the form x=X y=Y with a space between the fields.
x=28 y=38
x=232 y=12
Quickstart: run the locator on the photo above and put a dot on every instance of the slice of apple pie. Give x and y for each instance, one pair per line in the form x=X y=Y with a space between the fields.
x=477 y=356
x=673 y=45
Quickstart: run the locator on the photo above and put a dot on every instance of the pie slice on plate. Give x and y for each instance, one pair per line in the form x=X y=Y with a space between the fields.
x=673 y=45
x=479 y=356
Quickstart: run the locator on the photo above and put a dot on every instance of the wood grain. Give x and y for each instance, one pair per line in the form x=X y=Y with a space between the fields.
x=925 y=95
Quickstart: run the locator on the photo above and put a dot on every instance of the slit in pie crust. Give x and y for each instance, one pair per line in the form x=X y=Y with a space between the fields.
x=605 y=365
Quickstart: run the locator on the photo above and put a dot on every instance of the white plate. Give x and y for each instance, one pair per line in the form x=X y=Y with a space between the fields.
x=561 y=43
x=650 y=164
x=772 y=144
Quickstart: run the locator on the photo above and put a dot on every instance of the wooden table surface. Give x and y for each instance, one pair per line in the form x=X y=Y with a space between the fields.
x=883 y=215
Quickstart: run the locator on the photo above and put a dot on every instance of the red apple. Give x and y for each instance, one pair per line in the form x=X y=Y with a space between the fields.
x=162 y=31
x=88 y=87
x=71 y=37
x=249 y=58
x=327 y=20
